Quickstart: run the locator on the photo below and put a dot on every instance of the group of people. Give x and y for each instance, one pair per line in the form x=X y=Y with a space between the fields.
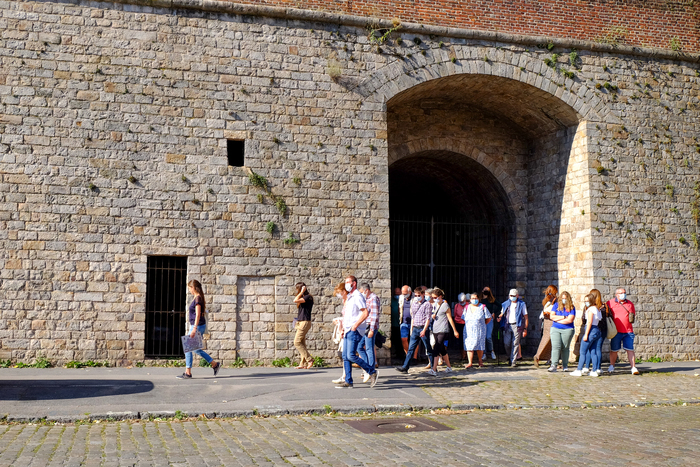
x=424 y=316
x=598 y=320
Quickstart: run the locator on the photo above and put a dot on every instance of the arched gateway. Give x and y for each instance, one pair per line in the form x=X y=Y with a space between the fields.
x=488 y=174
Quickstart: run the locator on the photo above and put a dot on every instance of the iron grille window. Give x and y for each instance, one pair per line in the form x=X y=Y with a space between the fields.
x=166 y=292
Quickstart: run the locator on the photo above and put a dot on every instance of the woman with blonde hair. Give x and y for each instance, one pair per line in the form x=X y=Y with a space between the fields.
x=590 y=337
x=563 y=314
x=197 y=324
x=544 y=351
x=304 y=302
x=342 y=294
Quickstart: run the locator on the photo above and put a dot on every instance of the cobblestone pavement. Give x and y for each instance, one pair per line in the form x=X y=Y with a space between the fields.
x=614 y=436
x=525 y=386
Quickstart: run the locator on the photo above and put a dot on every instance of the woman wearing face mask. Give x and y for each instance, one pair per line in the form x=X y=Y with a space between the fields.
x=589 y=339
x=460 y=307
x=544 y=351
x=476 y=317
x=563 y=314
x=428 y=297
x=342 y=294
x=602 y=325
x=441 y=330
x=489 y=302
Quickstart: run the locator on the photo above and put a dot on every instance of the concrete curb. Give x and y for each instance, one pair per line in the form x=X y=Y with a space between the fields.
x=350 y=410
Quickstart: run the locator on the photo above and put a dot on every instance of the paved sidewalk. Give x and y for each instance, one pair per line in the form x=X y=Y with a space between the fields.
x=623 y=436
x=68 y=395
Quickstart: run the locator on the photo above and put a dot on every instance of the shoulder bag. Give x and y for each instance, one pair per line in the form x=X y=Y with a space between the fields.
x=612 y=329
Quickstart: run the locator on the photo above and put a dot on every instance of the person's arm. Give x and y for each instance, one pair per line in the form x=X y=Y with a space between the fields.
x=487 y=320
x=198 y=308
x=300 y=296
x=373 y=317
x=527 y=320
x=589 y=321
x=360 y=320
x=564 y=319
x=452 y=323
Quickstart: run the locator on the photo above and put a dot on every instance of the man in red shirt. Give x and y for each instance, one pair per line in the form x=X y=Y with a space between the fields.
x=621 y=310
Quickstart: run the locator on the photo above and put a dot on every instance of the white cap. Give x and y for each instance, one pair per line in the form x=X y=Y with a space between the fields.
x=513 y=292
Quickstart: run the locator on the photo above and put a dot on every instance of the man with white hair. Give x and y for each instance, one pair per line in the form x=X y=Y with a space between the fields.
x=623 y=313
x=513 y=321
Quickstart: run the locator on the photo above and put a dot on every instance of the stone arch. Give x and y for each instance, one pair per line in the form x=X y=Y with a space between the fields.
x=401 y=75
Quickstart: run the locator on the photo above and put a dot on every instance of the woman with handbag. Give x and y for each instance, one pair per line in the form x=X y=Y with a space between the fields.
x=544 y=351
x=197 y=324
x=589 y=338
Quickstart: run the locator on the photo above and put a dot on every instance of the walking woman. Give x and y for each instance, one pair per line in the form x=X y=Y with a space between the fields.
x=460 y=307
x=197 y=323
x=563 y=314
x=441 y=330
x=489 y=301
x=342 y=294
x=305 y=302
x=589 y=339
x=602 y=325
x=476 y=317
x=544 y=351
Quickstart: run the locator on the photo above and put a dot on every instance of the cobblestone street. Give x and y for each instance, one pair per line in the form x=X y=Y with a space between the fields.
x=620 y=436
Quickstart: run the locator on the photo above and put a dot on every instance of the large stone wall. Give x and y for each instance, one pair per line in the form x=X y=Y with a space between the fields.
x=113 y=127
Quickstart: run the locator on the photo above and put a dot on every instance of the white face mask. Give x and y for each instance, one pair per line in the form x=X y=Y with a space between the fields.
x=513 y=299
x=623 y=296
x=338 y=295
x=475 y=301
x=587 y=304
x=427 y=298
x=439 y=300
x=348 y=287
x=563 y=300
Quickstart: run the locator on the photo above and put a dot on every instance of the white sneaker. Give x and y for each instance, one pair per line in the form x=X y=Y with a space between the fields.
x=611 y=368
x=594 y=374
x=448 y=369
x=585 y=371
x=432 y=372
x=338 y=381
x=365 y=376
x=552 y=369
x=575 y=373
x=635 y=371
x=493 y=355
x=565 y=369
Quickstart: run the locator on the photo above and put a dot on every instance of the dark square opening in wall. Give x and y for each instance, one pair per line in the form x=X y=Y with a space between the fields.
x=235 y=150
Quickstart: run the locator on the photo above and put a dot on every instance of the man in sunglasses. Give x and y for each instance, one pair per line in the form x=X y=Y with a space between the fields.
x=513 y=321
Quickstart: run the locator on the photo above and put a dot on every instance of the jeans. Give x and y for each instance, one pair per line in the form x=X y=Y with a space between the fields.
x=599 y=350
x=511 y=339
x=489 y=338
x=413 y=343
x=589 y=350
x=561 y=341
x=188 y=355
x=351 y=342
x=366 y=350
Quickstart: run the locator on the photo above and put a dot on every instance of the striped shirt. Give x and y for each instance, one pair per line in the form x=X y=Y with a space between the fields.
x=373 y=306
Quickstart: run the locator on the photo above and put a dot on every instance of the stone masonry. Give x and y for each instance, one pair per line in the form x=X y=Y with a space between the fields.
x=114 y=121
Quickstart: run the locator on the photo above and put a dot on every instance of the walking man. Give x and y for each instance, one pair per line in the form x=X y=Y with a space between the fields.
x=421 y=311
x=354 y=327
x=623 y=314
x=366 y=348
x=514 y=324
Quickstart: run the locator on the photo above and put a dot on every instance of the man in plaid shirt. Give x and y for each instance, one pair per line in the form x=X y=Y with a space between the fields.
x=366 y=348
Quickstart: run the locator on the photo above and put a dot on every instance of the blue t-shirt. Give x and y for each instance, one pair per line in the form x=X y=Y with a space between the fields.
x=563 y=313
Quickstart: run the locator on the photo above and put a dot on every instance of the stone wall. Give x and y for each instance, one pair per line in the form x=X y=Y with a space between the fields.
x=113 y=127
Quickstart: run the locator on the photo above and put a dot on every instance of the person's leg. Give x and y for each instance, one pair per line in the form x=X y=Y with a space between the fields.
x=470 y=356
x=567 y=337
x=188 y=363
x=615 y=346
x=508 y=341
x=593 y=349
x=204 y=355
x=413 y=344
x=428 y=348
x=480 y=356
x=347 y=365
x=555 y=336
x=585 y=354
x=302 y=328
x=516 y=343
x=368 y=346
x=489 y=338
x=599 y=351
x=355 y=340
x=362 y=349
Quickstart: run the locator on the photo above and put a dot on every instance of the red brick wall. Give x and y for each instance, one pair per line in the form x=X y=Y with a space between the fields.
x=650 y=23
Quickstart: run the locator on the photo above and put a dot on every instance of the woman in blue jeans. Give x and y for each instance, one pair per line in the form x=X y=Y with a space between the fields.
x=197 y=322
x=591 y=337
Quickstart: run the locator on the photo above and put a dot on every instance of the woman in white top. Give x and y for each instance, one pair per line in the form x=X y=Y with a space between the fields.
x=476 y=317
x=342 y=294
x=589 y=342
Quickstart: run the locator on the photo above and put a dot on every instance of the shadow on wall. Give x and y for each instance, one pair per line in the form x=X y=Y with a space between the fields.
x=48 y=389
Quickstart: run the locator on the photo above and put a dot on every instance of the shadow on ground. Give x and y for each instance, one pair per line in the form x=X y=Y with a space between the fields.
x=39 y=390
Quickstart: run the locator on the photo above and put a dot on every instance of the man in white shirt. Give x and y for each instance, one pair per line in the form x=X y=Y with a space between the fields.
x=354 y=327
x=514 y=324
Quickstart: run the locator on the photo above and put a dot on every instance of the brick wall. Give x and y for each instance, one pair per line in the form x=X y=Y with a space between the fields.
x=650 y=23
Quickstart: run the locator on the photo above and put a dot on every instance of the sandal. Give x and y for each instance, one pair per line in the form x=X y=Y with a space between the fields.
x=309 y=366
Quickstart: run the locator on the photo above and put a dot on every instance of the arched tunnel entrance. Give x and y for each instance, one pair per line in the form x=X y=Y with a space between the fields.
x=478 y=169
x=449 y=224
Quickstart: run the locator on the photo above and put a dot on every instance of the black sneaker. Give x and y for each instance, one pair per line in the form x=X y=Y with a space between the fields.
x=216 y=368
x=184 y=376
x=343 y=385
x=401 y=369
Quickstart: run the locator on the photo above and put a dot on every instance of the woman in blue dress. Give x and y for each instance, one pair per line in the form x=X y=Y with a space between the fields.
x=476 y=317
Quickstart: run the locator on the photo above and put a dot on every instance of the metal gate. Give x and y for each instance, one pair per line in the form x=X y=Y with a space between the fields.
x=166 y=292
x=451 y=254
